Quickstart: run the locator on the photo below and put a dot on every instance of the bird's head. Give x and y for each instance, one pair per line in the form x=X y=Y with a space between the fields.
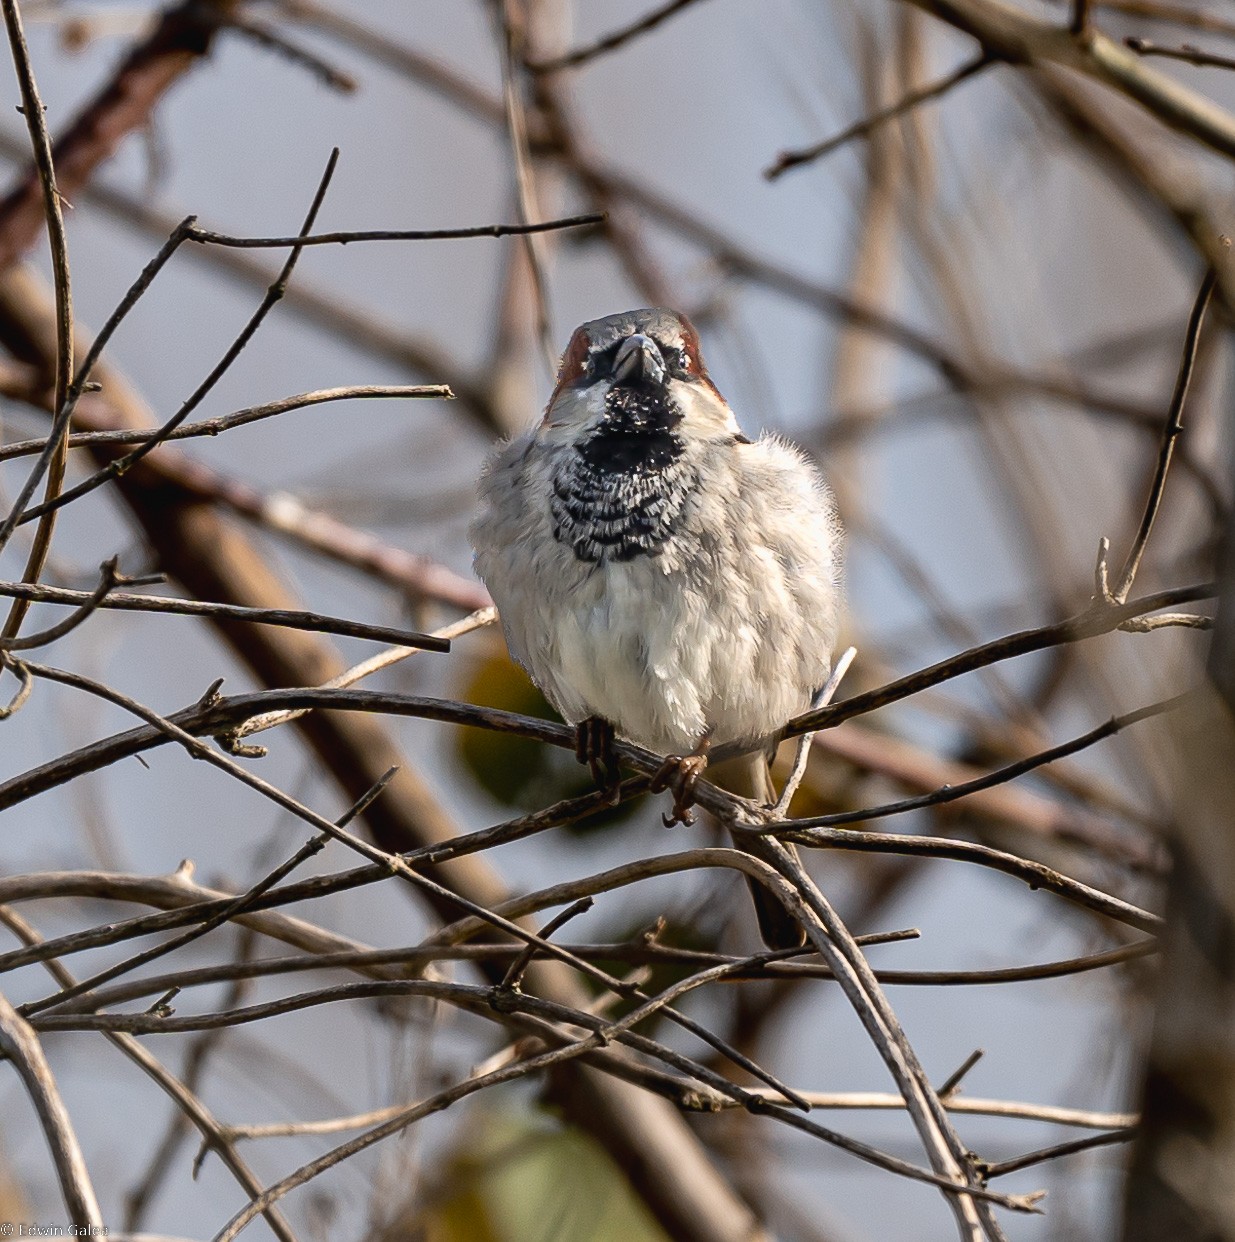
x=650 y=355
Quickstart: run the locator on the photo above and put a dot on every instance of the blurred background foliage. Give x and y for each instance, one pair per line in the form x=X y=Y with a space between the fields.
x=972 y=315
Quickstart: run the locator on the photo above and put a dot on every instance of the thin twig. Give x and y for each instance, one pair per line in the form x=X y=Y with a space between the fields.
x=185 y=1100
x=975 y=1106
x=1035 y=874
x=1166 y=621
x=62 y=409
x=109 y=577
x=1170 y=433
x=806 y=155
x=290 y=618
x=513 y=978
x=1124 y=1135
x=22 y=673
x=801 y=755
x=414 y=959
x=953 y=793
x=240 y=418
x=954 y=1079
x=268 y=37
x=1186 y=52
x=242 y=903
x=860 y=1101
x=40 y=141
x=1089 y=623
x=611 y=42
x=366 y=668
x=343 y=238
x=273 y=294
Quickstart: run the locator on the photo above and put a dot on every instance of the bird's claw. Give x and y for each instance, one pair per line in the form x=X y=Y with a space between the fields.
x=680 y=773
x=594 y=746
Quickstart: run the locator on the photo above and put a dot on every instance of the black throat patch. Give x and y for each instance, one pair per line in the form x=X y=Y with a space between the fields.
x=622 y=491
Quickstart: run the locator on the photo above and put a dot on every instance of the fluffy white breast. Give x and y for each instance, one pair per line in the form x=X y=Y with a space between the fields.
x=729 y=626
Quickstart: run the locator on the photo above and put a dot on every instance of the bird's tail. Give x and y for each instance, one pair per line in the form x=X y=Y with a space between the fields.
x=750 y=777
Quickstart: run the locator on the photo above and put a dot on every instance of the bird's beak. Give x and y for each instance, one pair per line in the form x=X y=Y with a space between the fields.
x=639 y=361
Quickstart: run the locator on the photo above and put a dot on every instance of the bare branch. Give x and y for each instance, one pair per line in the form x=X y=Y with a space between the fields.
x=268 y=37
x=952 y=793
x=1171 y=431
x=806 y=155
x=1034 y=874
x=1123 y=1135
x=611 y=42
x=209 y=238
x=1167 y=620
x=1014 y=35
x=242 y=903
x=312 y=622
x=414 y=958
x=1087 y=624
x=36 y=123
x=1186 y=52
x=513 y=34
x=224 y=422
x=802 y=752
x=975 y=1106
x=186 y=1100
x=109 y=576
x=366 y=668
x=22 y=1047
x=273 y=294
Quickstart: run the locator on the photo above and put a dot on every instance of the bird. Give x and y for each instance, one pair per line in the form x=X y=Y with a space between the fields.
x=659 y=575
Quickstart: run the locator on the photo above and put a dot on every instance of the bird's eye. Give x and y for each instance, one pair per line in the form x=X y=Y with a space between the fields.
x=677 y=360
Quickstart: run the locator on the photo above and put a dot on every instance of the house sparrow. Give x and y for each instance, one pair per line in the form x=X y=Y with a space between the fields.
x=657 y=573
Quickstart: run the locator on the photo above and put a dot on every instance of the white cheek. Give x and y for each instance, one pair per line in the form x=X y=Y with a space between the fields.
x=704 y=411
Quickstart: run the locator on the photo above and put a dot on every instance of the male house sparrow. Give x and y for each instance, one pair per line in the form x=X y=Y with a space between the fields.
x=657 y=573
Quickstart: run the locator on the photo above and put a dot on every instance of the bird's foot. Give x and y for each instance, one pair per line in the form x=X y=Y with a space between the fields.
x=594 y=746
x=681 y=773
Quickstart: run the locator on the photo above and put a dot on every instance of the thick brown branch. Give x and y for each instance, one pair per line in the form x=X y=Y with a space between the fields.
x=181 y=38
